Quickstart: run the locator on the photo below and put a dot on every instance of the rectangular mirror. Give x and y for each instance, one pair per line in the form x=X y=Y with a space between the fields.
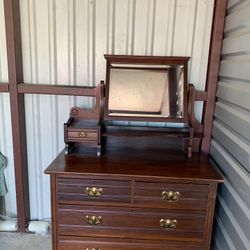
x=146 y=88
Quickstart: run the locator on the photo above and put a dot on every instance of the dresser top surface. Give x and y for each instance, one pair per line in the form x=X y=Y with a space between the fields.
x=136 y=161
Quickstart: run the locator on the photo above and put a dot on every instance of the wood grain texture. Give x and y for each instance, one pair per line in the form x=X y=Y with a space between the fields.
x=145 y=155
x=131 y=223
x=131 y=207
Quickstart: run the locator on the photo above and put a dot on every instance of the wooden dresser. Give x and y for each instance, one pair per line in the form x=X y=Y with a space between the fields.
x=132 y=198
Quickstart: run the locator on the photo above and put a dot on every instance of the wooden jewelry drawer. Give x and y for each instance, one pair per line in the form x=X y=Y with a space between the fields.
x=85 y=243
x=82 y=135
x=122 y=222
x=171 y=195
x=80 y=191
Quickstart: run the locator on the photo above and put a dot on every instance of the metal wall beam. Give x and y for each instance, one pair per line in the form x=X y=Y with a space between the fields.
x=15 y=72
x=213 y=71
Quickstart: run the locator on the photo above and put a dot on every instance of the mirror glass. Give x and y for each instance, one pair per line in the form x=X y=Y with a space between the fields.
x=146 y=91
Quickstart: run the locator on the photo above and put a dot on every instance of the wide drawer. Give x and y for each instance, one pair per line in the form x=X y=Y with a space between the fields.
x=130 y=223
x=82 y=134
x=84 y=243
x=79 y=191
x=171 y=195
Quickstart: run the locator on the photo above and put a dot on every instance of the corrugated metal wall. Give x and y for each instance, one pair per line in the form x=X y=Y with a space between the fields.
x=64 y=42
x=231 y=132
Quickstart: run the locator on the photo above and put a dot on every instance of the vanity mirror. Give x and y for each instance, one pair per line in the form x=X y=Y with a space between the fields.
x=143 y=89
x=146 y=88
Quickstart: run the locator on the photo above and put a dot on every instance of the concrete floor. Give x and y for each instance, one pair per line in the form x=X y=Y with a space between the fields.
x=27 y=241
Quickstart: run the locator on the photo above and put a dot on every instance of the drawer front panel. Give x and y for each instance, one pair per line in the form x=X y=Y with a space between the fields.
x=78 y=243
x=82 y=134
x=171 y=195
x=78 y=191
x=130 y=223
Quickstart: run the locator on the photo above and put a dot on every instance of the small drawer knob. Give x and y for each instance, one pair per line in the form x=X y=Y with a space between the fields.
x=171 y=196
x=168 y=224
x=93 y=219
x=83 y=134
x=94 y=192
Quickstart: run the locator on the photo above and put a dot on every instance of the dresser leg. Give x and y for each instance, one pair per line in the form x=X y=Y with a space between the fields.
x=53 y=210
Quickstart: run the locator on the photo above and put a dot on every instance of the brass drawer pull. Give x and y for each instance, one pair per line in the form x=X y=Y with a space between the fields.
x=168 y=224
x=93 y=248
x=94 y=192
x=93 y=220
x=83 y=134
x=171 y=196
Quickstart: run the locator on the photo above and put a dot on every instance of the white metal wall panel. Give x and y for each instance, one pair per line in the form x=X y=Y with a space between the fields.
x=5 y=123
x=3 y=51
x=64 y=42
x=6 y=147
x=231 y=132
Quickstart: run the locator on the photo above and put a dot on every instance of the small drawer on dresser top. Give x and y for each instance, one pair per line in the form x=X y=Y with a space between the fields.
x=84 y=243
x=171 y=195
x=155 y=224
x=82 y=134
x=79 y=191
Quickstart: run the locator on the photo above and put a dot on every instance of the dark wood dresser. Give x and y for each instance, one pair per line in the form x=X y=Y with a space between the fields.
x=132 y=198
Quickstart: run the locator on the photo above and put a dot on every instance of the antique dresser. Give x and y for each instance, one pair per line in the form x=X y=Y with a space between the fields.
x=135 y=187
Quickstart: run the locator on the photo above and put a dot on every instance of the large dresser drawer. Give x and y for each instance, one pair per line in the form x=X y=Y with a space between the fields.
x=123 y=222
x=171 y=195
x=80 y=191
x=84 y=243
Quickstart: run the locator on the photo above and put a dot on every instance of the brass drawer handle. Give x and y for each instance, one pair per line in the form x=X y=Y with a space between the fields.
x=94 y=192
x=171 y=196
x=93 y=248
x=168 y=224
x=83 y=134
x=93 y=220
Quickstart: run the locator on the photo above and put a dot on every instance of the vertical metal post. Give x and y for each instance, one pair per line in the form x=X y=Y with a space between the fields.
x=15 y=72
